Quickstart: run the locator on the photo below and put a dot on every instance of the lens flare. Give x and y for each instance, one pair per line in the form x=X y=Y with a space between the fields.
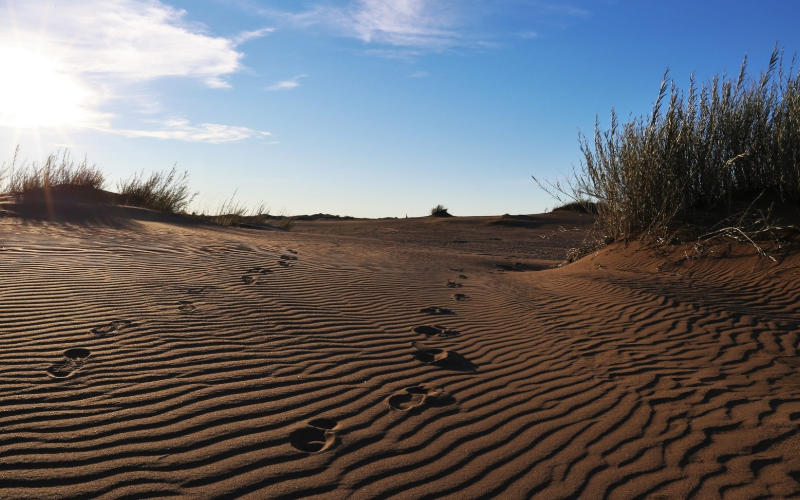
x=35 y=92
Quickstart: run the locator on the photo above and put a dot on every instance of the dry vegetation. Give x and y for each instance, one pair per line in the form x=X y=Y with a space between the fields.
x=234 y=213
x=712 y=149
x=166 y=191
x=58 y=170
x=440 y=211
x=580 y=206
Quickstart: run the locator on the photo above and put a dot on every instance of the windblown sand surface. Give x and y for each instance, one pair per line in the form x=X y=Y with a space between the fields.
x=396 y=358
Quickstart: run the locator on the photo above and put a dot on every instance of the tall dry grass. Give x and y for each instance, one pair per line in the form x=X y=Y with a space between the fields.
x=726 y=141
x=232 y=212
x=166 y=191
x=58 y=170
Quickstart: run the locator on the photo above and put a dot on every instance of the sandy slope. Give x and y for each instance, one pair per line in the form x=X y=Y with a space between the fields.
x=156 y=359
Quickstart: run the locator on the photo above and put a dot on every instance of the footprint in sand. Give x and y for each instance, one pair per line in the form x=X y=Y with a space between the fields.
x=454 y=284
x=258 y=270
x=457 y=269
x=186 y=306
x=408 y=399
x=285 y=260
x=248 y=276
x=436 y=310
x=319 y=435
x=196 y=290
x=111 y=328
x=417 y=396
x=461 y=297
x=516 y=266
x=449 y=360
x=463 y=277
x=73 y=360
x=435 y=331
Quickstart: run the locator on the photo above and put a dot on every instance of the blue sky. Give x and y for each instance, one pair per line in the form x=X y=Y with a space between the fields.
x=360 y=107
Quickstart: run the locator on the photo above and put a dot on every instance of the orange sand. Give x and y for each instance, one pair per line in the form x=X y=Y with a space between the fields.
x=149 y=358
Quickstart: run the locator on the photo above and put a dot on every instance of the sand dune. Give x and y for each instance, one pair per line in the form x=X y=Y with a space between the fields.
x=395 y=358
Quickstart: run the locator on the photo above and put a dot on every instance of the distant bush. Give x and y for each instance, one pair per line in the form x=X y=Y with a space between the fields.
x=56 y=171
x=728 y=141
x=580 y=206
x=440 y=211
x=166 y=191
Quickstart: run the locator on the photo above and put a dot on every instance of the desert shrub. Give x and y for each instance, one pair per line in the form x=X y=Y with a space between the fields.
x=580 y=206
x=728 y=141
x=165 y=191
x=58 y=170
x=232 y=212
x=440 y=211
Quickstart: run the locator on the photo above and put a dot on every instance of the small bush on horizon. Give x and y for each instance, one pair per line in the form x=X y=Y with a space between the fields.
x=727 y=142
x=440 y=211
x=581 y=206
x=165 y=191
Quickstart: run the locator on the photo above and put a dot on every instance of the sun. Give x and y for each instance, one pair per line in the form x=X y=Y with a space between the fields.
x=36 y=93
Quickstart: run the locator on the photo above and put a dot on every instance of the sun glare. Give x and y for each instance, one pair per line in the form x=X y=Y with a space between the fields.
x=35 y=92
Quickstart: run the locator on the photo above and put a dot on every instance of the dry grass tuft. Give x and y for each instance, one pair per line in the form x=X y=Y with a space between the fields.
x=706 y=150
x=166 y=191
x=57 y=171
x=234 y=213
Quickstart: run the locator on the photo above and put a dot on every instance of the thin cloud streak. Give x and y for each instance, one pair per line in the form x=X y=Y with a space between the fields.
x=410 y=24
x=565 y=9
x=408 y=29
x=406 y=23
x=246 y=36
x=291 y=83
x=183 y=130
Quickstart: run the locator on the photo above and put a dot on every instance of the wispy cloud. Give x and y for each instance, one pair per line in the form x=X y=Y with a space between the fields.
x=404 y=23
x=565 y=9
x=126 y=39
x=183 y=130
x=407 y=29
x=106 y=48
x=246 y=36
x=289 y=84
x=410 y=24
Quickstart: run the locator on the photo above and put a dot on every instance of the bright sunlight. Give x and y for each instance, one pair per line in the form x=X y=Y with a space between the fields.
x=35 y=93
